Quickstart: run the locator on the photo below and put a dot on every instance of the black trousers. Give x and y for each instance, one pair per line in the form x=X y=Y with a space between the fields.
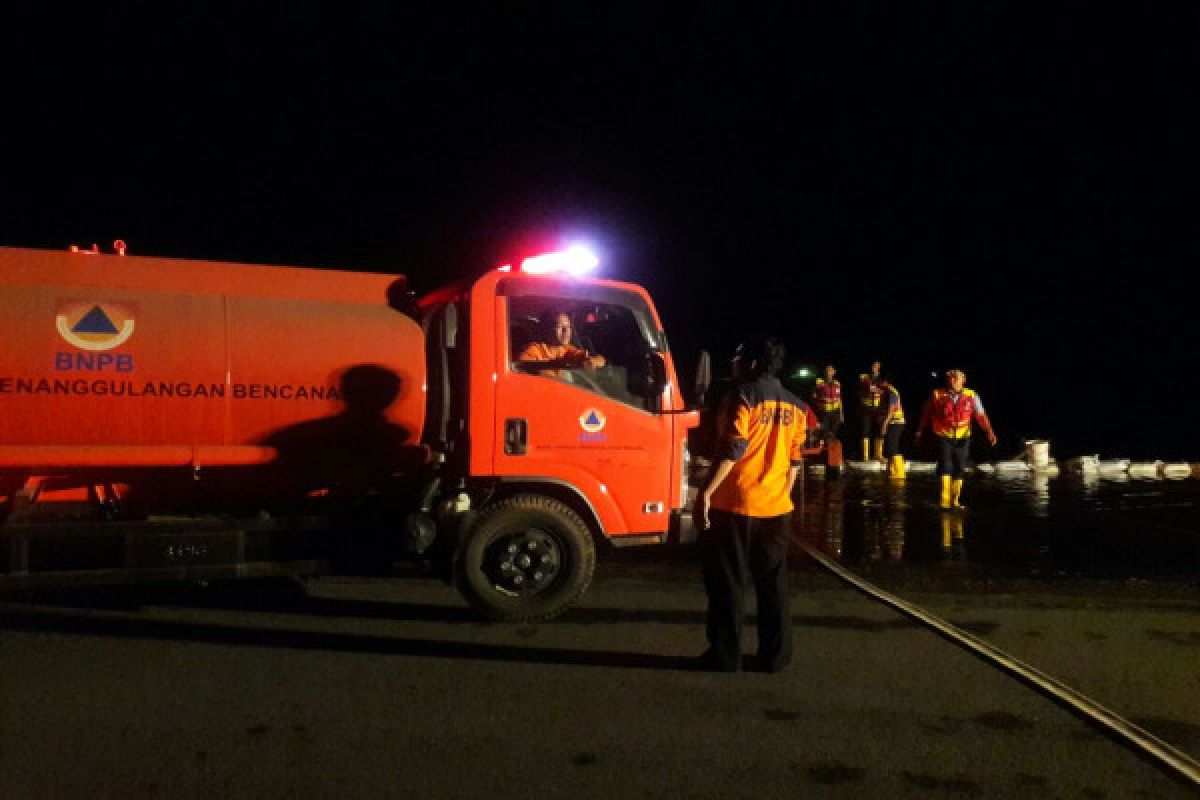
x=952 y=456
x=732 y=547
x=869 y=422
x=891 y=440
x=831 y=422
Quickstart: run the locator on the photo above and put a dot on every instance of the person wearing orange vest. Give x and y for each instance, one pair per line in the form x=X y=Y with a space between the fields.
x=870 y=396
x=744 y=513
x=892 y=428
x=949 y=413
x=827 y=397
x=555 y=352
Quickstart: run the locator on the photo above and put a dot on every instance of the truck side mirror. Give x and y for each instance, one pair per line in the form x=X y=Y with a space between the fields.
x=703 y=376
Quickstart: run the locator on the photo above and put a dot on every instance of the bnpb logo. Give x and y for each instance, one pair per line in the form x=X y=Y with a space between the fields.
x=94 y=326
x=592 y=420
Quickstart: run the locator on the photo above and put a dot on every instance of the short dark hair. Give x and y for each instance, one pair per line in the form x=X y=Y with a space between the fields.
x=548 y=321
x=766 y=351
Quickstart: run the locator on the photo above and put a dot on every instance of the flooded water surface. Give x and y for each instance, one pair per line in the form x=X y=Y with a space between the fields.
x=1021 y=525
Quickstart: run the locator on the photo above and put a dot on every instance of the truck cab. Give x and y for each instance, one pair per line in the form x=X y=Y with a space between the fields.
x=556 y=455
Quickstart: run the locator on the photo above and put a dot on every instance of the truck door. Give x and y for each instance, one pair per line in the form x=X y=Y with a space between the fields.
x=571 y=397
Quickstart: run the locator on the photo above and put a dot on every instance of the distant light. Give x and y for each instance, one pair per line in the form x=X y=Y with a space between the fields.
x=803 y=372
x=573 y=261
x=933 y=374
x=505 y=268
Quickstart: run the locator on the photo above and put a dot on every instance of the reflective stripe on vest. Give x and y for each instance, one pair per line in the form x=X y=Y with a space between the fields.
x=869 y=390
x=829 y=395
x=952 y=416
x=897 y=417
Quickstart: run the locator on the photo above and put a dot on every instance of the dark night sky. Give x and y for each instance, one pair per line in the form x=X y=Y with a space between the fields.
x=1009 y=190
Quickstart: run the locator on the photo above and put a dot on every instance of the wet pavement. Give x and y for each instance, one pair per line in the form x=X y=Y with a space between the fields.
x=347 y=688
x=1094 y=581
x=357 y=688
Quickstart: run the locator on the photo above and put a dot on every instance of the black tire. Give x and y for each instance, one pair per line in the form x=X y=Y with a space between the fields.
x=527 y=558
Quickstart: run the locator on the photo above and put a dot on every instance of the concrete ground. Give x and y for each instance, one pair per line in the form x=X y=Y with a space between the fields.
x=349 y=688
x=1139 y=657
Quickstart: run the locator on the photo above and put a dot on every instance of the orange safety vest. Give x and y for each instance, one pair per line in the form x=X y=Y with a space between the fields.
x=951 y=418
x=566 y=354
x=868 y=391
x=828 y=395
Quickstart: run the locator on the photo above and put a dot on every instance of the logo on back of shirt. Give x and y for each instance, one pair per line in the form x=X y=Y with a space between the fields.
x=780 y=415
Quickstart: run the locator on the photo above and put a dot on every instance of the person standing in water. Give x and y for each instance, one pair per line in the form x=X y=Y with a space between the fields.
x=949 y=413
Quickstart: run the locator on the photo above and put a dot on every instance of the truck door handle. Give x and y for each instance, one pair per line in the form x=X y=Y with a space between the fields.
x=516 y=436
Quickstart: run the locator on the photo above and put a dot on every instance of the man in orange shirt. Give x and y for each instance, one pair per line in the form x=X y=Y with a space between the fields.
x=745 y=511
x=556 y=351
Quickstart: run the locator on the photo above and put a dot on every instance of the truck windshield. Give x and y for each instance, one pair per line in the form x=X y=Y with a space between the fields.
x=600 y=340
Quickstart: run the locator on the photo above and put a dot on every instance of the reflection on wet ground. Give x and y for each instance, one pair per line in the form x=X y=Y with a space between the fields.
x=1094 y=582
x=1022 y=525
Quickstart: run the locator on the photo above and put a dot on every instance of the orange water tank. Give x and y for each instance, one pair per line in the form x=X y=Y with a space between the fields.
x=144 y=362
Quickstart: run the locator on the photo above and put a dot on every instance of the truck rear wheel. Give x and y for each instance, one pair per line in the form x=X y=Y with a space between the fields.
x=526 y=559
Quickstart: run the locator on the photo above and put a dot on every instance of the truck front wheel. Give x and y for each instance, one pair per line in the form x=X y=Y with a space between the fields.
x=526 y=559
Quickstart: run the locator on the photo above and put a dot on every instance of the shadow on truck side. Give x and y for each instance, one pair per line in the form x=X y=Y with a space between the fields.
x=356 y=448
x=351 y=465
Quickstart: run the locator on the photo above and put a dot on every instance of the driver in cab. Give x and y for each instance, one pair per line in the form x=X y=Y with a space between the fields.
x=555 y=351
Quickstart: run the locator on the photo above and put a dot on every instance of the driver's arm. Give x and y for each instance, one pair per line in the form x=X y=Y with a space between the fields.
x=540 y=356
x=578 y=357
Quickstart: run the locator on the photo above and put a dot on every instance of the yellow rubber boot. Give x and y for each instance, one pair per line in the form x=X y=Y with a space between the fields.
x=956 y=493
x=952 y=535
x=879 y=449
x=896 y=467
x=866 y=449
x=956 y=527
x=947 y=500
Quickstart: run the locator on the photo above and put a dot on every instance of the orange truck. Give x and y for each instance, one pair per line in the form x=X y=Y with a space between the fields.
x=166 y=419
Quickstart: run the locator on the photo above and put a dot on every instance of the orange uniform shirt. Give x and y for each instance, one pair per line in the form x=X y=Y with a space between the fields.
x=762 y=428
x=562 y=354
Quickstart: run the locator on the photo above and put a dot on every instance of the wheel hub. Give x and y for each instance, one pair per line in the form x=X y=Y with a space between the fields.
x=524 y=562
